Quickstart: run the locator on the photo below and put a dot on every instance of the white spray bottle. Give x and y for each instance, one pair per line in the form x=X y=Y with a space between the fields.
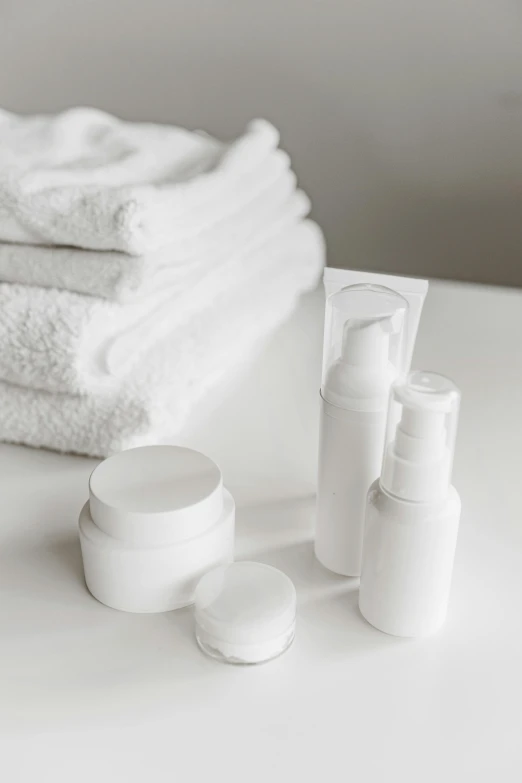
x=364 y=352
x=413 y=512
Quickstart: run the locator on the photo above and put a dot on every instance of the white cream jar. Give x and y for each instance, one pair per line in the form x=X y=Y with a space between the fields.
x=158 y=518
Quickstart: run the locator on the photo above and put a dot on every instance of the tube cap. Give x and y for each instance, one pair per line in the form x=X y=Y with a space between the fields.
x=421 y=431
x=155 y=495
x=364 y=346
x=245 y=612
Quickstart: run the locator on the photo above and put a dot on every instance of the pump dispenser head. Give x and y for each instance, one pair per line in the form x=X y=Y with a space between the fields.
x=364 y=346
x=422 y=425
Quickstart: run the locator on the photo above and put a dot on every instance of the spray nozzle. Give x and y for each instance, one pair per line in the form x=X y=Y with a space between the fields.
x=421 y=423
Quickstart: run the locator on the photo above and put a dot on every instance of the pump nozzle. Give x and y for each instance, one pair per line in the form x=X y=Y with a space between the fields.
x=366 y=342
x=418 y=459
x=362 y=375
x=363 y=346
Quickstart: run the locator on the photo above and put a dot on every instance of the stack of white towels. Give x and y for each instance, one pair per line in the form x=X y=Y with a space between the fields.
x=140 y=265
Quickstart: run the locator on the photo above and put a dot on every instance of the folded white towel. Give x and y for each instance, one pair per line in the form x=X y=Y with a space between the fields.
x=87 y=179
x=65 y=342
x=121 y=277
x=154 y=404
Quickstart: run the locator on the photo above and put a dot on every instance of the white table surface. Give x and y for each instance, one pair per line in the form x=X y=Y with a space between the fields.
x=91 y=694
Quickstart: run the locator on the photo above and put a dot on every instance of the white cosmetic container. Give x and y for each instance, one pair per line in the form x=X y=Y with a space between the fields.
x=245 y=613
x=158 y=518
x=413 y=512
x=364 y=354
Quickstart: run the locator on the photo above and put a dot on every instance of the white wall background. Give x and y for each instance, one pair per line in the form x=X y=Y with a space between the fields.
x=404 y=118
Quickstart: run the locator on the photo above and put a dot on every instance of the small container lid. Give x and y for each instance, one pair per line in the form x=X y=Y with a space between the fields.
x=155 y=495
x=245 y=603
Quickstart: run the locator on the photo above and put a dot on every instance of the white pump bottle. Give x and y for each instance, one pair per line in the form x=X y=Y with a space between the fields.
x=363 y=355
x=413 y=512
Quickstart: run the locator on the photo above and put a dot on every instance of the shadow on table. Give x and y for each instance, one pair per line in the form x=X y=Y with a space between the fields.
x=329 y=623
x=65 y=554
x=49 y=569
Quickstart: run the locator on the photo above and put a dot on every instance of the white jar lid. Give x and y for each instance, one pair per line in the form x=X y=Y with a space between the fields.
x=156 y=495
x=245 y=612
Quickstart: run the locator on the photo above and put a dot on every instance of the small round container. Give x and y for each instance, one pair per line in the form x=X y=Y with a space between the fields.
x=158 y=518
x=245 y=613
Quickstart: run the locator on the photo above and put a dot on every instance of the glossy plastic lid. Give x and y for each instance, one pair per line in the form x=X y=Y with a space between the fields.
x=245 y=603
x=364 y=346
x=156 y=495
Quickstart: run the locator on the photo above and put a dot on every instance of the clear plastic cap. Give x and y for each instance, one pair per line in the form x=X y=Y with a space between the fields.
x=421 y=432
x=245 y=612
x=364 y=346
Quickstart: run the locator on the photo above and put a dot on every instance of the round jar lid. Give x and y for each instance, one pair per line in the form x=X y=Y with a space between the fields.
x=245 y=612
x=156 y=495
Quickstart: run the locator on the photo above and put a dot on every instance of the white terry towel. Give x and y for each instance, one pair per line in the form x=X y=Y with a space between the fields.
x=65 y=342
x=86 y=179
x=121 y=277
x=155 y=403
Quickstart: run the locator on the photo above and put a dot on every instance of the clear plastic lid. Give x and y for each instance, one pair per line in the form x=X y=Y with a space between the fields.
x=364 y=346
x=421 y=432
x=245 y=612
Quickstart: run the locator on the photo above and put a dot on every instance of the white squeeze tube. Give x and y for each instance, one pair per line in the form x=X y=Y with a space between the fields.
x=413 y=511
x=365 y=346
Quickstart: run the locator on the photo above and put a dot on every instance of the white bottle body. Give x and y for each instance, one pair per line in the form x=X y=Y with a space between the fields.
x=408 y=556
x=350 y=457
